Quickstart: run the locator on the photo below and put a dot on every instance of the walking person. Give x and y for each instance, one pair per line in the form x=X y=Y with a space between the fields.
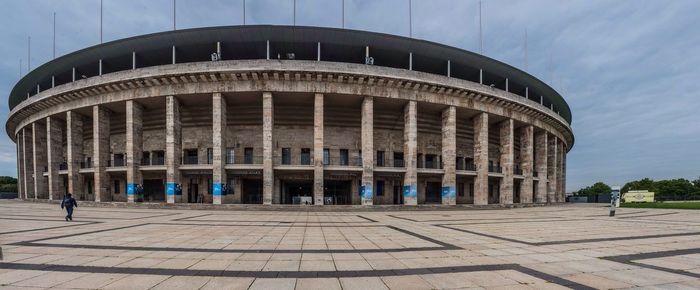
x=69 y=202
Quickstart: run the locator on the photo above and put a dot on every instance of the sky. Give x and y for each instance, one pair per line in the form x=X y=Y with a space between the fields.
x=629 y=69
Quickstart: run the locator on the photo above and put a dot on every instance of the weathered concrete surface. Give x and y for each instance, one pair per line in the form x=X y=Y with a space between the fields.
x=367 y=124
x=481 y=158
x=506 y=158
x=541 y=144
x=74 y=152
x=552 y=169
x=100 y=138
x=218 y=139
x=268 y=125
x=318 y=149
x=173 y=145
x=527 y=163
x=134 y=147
x=54 y=147
x=39 y=147
x=410 y=151
x=28 y=160
x=449 y=148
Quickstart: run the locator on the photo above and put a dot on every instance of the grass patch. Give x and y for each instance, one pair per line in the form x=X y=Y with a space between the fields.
x=671 y=205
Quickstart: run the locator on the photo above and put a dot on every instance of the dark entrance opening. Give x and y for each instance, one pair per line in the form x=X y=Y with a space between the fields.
x=153 y=190
x=516 y=191
x=193 y=191
x=299 y=189
x=433 y=192
x=398 y=196
x=494 y=192
x=251 y=191
x=337 y=192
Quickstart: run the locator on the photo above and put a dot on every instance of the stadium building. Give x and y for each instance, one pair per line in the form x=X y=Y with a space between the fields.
x=287 y=114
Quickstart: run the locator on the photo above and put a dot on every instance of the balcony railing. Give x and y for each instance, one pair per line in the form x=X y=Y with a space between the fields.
x=495 y=169
x=85 y=164
x=342 y=161
x=430 y=165
x=399 y=163
x=190 y=160
x=303 y=160
x=153 y=161
x=63 y=166
x=466 y=166
x=116 y=163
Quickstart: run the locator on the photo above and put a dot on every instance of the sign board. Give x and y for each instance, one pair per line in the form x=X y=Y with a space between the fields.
x=638 y=196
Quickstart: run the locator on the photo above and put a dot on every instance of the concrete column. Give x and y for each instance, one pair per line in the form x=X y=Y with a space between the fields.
x=39 y=144
x=74 y=152
x=268 y=125
x=526 y=162
x=367 y=179
x=560 y=178
x=449 y=157
x=563 y=173
x=318 y=149
x=28 y=160
x=410 y=151
x=173 y=147
x=506 y=149
x=100 y=138
x=481 y=158
x=552 y=169
x=219 y=150
x=541 y=165
x=134 y=147
x=54 y=146
x=20 y=179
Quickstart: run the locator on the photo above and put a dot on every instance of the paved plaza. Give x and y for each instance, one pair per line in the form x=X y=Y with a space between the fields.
x=556 y=247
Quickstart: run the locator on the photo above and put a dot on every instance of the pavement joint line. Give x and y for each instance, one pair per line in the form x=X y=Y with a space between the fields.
x=297 y=274
x=99 y=218
x=563 y=242
x=81 y=223
x=192 y=219
x=630 y=260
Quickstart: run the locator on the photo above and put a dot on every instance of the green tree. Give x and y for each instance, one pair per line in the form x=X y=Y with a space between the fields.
x=8 y=180
x=642 y=184
x=597 y=188
x=674 y=189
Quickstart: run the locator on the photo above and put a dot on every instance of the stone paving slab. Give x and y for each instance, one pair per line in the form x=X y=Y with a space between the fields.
x=553 y=247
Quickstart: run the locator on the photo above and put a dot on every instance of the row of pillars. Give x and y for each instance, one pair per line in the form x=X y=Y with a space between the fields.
x=40 y=145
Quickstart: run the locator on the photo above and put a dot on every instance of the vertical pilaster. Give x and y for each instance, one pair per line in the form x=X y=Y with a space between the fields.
x=28 y=163
x=39 y=144
x=74 y=152
x=560 y=178
x=410 y=151
x=449 y=158
x=318 y=149
x=54 y=145
x=552 y=169
x=367 y=127
x=563 y=172
x=541 y=165
x=481 y=158
x=506 y=149
x=268 y=125
x=218 y=141
x=20 y=177
x=134 y=147
x=173 y=147
x=100 y=137
x=526 y=162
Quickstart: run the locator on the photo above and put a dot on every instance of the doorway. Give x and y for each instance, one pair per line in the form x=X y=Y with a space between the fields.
x=153 y=190
x=337 y=191
x=433 y=192
x=251 y=191
x=298 y=192
x=398 y=196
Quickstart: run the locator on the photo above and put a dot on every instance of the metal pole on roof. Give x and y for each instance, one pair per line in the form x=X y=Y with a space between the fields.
x=100 y=21
x=481 y=37
x=343 y=14
x=54 y=35
x=410 y=18
x=29 y=53
x=20 y=67
x=174 y=15
x=294 y=16
x=525 y=48
x=243 y=12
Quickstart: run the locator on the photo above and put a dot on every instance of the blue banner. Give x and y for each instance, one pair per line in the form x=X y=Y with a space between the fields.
x=366 y=192
x=170 y=188
x=410 y=191
x=448 y=192
x=130 y=189
x=217 y=188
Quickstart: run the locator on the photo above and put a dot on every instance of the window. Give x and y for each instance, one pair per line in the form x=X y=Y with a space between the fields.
x=286 y=156
x=116 y=186
x=190 y=156
x=305 y=156
x=118 y=160
x=210 y=155
x=430 y=161
x=158 y=157
x=248 y=155
x=380 y=187
x=326 y=156
x=146 y=159
x=344 y=157
x=398 y=159
x=230 y=156
x=380 y=158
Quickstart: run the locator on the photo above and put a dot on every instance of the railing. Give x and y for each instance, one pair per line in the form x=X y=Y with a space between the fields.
x=190 y=160
x=153 y=161
x=430 y=165
x=303 y=160
x=63 y=166
x=116 y=163
x=466 y=166
x=534 y=173
x=248 y=160
x=399 y=163
x=85 y=164
x=341 y=161
x=495 y=169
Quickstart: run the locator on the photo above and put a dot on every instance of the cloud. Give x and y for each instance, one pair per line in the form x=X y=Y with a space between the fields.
x=628 y=69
